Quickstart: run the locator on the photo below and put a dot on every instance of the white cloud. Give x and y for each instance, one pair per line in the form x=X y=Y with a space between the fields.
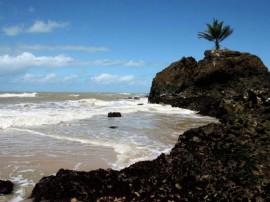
x=25 y=60
x=46 y=79
x=133 y=63
x=13 y=30
x=9 y=63
x=39 y=79
x=106 y=78
x=104 y=62
x=109 y=62
x=45 y=27
x=38 y=26
x=39 y=47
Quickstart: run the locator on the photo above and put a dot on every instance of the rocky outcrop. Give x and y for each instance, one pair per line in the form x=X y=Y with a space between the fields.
x=229 y=161
x=202 y=85
x=6 y=187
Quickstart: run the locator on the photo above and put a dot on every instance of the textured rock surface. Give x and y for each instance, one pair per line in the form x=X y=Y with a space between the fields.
x=203 y=85
x=229 y=161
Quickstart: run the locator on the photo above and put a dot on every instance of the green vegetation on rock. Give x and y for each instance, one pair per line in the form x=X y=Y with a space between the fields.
x=216 y=32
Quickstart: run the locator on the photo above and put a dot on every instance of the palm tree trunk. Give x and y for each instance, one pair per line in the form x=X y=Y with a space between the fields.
x=217 y=44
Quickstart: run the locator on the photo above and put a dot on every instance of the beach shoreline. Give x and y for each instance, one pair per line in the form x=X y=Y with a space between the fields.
x=32 y=150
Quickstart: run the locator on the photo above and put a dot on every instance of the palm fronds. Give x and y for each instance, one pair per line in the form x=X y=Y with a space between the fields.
x=216 y=32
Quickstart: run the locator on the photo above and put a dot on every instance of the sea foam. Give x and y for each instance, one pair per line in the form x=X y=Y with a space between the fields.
x=46 y=113
x=9 y=95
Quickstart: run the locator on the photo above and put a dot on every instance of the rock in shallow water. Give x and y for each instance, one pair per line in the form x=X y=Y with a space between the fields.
x=6 y=187
x=113 y=127
x=114 y=114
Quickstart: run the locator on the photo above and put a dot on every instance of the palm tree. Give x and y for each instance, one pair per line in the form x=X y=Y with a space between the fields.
x=216 y=32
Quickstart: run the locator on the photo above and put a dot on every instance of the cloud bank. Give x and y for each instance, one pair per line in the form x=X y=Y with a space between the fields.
x=26 y=60
x=23 y=62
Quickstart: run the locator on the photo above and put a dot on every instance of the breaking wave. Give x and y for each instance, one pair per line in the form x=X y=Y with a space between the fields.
x=9 y=95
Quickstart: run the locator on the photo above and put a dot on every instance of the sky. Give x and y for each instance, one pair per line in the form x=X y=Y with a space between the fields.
x=116 y=45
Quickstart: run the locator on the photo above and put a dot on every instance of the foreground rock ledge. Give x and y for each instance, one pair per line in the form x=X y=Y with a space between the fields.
x=218 y=162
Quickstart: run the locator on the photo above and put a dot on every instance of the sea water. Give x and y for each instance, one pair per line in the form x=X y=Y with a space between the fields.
x=43 y=132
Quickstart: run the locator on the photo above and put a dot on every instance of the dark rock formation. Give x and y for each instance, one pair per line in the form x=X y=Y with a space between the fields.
x=229 y=161
x=202 y=86
x=114 y=114
x=6 y=187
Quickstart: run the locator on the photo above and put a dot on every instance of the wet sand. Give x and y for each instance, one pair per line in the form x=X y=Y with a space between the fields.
x=26 y=172
x=25 y=165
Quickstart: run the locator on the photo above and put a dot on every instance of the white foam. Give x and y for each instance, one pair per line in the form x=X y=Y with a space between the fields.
x=23 y=183
x=77 y=166
x=74 y=95
x=125 y=93
x=27 y=170
x=66 y=112
x=8 y=95
x=138 y=153
x=5 y=123
x=45 y=113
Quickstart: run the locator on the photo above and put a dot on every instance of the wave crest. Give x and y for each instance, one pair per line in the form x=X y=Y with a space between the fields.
x=8 y=95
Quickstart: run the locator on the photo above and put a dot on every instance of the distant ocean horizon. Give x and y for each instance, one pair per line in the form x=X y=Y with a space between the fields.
x=80 y=92
x=41 y=132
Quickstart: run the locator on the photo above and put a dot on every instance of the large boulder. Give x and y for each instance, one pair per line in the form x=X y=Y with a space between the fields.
x=203 y=85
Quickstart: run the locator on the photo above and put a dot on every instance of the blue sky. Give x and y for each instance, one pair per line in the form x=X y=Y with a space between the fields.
x=116 y=45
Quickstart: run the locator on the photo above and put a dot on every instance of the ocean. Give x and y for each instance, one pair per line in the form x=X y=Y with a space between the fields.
x=43 y=132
